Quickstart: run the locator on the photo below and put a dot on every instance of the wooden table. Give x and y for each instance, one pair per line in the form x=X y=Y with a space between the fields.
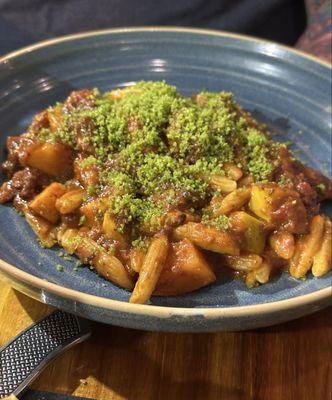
x=288 y=361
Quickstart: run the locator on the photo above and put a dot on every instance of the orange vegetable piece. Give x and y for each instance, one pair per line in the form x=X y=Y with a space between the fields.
x=55 y=159
x=44 y=203
x=185 y=270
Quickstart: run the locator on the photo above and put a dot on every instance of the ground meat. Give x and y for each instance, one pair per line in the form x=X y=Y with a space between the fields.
x=308 y=195
x=174 y=218
x=315 y=179
x=14 y=145
x=71 y=220
x=83 y=132
x=79 y=99
x=9 y=167
x=40 y=121
x=6 y=192
x=273 y=259
x=20 y=204
x=238 y=229
x=289 y=212
x=94 y=233
x=88 y=176
x=25 y=183
x=305 y=179
x=134 y=124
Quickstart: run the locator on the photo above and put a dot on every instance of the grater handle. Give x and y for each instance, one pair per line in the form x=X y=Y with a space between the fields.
x=24 y=357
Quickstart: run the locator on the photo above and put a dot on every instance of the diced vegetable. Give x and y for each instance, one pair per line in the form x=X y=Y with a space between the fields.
x=185 y=270
x=260 y=202
x=70 y=201
x=44 y=203
x=254 y=233
x=55 y=159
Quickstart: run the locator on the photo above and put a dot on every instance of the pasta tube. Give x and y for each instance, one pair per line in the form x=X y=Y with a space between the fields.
x=151 y=269
x=322 y=259
x=208 y=238
x=232 y=202
x=303 y=258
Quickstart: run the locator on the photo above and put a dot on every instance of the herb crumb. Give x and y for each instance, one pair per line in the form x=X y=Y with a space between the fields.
x=59 y=267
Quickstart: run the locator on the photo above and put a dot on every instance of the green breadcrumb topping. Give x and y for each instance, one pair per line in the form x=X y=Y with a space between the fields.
x=258 y=148
x=284 y=181
x=221 y=222
x=153 y=147
x=59 y=267
x=139 y=243
x=321 y=187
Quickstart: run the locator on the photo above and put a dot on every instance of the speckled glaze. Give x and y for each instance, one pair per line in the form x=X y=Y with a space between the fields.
x=287 y=90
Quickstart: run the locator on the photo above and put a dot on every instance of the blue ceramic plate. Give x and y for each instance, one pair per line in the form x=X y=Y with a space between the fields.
x=288 y=90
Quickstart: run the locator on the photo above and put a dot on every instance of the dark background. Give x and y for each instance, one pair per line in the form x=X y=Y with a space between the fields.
x=26 y=21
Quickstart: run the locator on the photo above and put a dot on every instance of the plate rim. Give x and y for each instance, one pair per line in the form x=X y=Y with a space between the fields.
x=148 y=309
x=162 y=311
x=180 y=29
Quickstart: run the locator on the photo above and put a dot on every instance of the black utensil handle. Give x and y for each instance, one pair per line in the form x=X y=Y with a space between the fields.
x=23 y=358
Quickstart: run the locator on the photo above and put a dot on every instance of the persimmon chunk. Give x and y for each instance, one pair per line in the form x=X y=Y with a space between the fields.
x=185 y=270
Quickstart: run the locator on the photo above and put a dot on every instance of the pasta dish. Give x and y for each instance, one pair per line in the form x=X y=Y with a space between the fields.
x=159 y=192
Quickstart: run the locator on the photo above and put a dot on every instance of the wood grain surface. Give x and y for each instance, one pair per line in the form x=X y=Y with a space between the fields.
x=288 y=361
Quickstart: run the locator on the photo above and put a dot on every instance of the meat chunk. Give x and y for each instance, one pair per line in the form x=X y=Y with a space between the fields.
x=88 y=176
x=15 y=145
x=288 y=211
x=312 y=185
x=283 y=207
x=25 y=183
x=80 y=99
x=40 y=121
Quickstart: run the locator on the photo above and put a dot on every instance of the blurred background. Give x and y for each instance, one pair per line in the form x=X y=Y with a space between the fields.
x=302 y=23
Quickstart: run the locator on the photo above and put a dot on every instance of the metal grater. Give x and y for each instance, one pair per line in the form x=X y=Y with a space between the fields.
x=22 y=359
